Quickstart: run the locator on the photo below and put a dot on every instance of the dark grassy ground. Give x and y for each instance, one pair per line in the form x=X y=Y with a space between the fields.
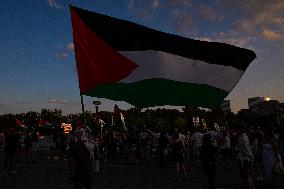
x=52 y=174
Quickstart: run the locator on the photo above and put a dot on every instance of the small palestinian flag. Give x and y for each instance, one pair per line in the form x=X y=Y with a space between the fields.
x=123 y=61
x=45 y=124
x=20 y=123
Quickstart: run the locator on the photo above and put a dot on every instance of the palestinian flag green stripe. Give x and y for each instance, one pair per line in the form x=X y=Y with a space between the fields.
x=156 y=92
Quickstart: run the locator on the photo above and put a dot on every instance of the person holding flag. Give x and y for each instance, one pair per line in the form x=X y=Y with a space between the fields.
x=118 y=121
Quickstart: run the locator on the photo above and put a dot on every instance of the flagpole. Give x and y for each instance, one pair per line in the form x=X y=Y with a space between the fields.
x=83 y=109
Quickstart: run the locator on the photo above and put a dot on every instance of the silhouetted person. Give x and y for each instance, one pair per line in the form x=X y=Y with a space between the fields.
x=163 y=143
x=81 y=168
x=10 y=148
x=208 y=152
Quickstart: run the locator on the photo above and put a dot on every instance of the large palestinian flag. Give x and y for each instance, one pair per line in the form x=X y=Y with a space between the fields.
x=124 y=61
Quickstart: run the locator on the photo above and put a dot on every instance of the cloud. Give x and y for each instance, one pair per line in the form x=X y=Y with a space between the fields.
x=182 y=15
x=58 y=101
x=250 y=19
x=137 y=4
x=278 y=20
x=209 y=14
x=271 y=35
x=155 y=3
x=178 y=2
x=54 y=4
x=62 y=55
x=70 y=47
x=238 y=41
x=143 y=9
x=66 y=51
x=256 y=15
x=231 y=37
x=23 y=102
x=183 y=22
x=150 y=9
x=204 y=39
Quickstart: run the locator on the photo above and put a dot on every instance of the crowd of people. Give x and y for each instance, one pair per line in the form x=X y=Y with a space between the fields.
x=259 y=152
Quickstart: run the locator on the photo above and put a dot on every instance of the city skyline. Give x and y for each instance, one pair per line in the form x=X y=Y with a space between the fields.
x=38 y=64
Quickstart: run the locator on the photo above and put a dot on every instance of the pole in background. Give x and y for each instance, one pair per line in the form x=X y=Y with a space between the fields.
x=83 y=110
x=97 y=103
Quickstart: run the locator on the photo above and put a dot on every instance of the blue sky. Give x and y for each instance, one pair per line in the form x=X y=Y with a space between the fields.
x=36 y=45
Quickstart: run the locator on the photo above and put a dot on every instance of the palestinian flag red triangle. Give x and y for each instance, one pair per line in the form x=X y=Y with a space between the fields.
x=97 y=62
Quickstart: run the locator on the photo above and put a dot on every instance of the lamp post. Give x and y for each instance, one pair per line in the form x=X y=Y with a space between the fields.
x=97 y=103
x=102 y=131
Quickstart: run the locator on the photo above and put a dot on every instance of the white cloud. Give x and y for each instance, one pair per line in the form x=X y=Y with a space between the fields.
x=58 y=101
x=142 y=9
x=62 y=55
x=257 y=14
x=183 y=22
x=231 y=37
x=70 y=46
x=67 y=51
x=252 y=19
x=53 y=4
x=155 y=3
x=204 y=39
x=271 y=35
x=209 y=14
x=136 y=5
x=238 y=41
x=279 y=21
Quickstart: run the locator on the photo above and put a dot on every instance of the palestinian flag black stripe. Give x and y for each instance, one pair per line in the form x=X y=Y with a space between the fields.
x=123 y=35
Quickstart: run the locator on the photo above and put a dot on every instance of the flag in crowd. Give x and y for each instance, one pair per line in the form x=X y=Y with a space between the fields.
x=20 y=123
x=121 y=60
x=118 y=118
x=44 y=123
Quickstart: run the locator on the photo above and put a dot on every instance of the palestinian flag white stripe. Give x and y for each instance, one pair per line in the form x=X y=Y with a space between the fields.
x=158 y=64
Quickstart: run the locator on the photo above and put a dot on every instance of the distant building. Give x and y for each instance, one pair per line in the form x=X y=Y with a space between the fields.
x=226 y=106
x=265 y=106
x=255 y=103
